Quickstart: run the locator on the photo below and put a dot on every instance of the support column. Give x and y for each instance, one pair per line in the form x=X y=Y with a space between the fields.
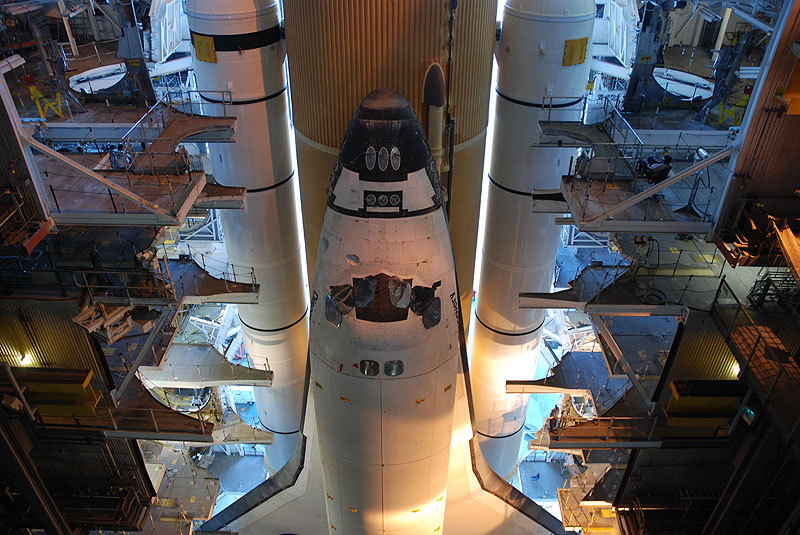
x=68 y=27
x=723 y=27
x=92 y=20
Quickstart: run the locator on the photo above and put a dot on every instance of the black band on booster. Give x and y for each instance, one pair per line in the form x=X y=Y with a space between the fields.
x=243 y=41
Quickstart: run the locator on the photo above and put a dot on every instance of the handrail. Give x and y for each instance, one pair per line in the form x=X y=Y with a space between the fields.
x=744 y=357
x=143 y=117
x=226 y=270
x=615 y=111
x=548 y=104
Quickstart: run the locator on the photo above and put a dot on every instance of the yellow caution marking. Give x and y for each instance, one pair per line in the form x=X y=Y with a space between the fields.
x=575 y=51
x=415 y=510
x=192 y=499
x=440 y=498
x=437 y=529
x=318 y=385
x=420 y=401
x=448 y=387
x=174 y=461
x=353 y=509
x=204 y=48
x=346 y=400
x=674 y=250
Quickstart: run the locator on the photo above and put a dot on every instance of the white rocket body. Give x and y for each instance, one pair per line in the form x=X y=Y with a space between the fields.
x=384 y=342
x=237 y=47
x=543 y=60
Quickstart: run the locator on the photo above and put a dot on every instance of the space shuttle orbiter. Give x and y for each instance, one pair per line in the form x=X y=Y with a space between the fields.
x=388 y=447
x=384 y=342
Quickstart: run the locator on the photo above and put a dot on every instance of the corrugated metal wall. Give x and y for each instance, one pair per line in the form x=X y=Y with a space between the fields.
x=340 y=51
x=701 y=354
x=44 y=331
x=372 y=44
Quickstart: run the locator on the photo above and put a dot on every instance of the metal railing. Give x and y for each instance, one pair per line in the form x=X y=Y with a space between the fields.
x=132 y=419
x=634 y=428
x=127 y=287
x=615 y=123
x=759 y=355
x=566 y=109
x=216 y=268
x=179 y=98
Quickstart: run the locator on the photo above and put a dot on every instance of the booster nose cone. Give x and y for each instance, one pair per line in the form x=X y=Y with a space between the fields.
x=384 y=141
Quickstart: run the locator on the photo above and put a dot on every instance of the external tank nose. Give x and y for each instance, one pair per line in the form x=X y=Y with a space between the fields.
x=384 y=141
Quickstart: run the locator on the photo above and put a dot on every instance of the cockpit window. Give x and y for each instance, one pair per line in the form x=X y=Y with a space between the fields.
x=370 y=158
x=370 y=368
x=364 y=291
x=383 y=298
x=343 y=297
x=393 y=368
x=421 y=299
x=399 y=292
x=381 y=308
x=383 y=158
x=433 y=314
x=332 y=313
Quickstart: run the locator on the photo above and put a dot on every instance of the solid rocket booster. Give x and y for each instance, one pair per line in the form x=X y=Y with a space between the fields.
x=384 y=341
x=237 y=47
x=543 y=62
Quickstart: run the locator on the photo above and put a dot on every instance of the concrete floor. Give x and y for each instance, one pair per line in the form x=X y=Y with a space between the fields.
x=550 y=479
x=236 y=473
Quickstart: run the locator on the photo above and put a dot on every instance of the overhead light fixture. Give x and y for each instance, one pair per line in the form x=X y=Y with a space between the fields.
x=25 y=359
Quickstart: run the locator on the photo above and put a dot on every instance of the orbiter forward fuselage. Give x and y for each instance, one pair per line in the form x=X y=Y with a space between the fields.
x=384 y=337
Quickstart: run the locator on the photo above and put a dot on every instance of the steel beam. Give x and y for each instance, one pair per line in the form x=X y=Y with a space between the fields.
x=634 y=310
x=103 y=219
x=612 y=344
x=19 y=132
x=671 y=181
x=190 y=195
x=515 y=386
x=540 y=301
x=166 y=312
x=152 y=207
x=646 y=227
x=749 y=17
x=75 y=132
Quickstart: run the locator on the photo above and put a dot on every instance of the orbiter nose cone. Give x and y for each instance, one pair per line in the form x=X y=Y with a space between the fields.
x=385 y=98
x=384 y=141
